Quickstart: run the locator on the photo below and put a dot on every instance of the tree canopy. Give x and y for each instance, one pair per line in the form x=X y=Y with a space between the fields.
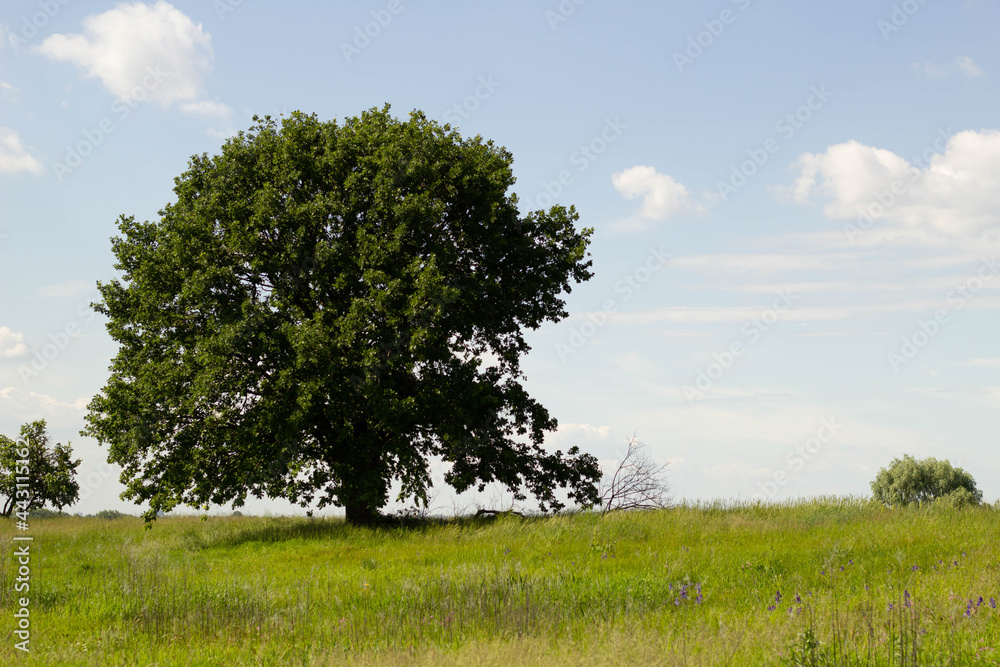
x=908 y=481
x=48 y=473
x=309 y=321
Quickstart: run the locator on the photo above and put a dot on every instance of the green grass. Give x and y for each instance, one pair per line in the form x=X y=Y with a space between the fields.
x=581 y=589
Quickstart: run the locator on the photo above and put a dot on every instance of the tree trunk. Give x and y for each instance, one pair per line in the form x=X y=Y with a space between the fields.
x=363 y=486
x=359 y=514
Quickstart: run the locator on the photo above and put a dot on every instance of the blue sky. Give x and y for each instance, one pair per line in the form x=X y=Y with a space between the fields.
x=795 y=206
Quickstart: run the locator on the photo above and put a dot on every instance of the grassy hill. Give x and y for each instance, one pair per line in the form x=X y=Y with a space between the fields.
x=834 y=581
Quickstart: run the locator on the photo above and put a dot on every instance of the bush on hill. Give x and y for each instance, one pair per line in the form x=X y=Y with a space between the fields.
x=907 y=481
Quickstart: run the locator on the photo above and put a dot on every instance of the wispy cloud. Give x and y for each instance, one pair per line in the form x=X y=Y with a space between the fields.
x=12 y=345
x=708 y=314
x=13 y=156
x=963 y=65
x=995 y=361
x=68 y=288
x=8 y=91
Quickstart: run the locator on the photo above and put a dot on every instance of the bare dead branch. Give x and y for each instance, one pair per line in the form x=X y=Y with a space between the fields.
x=637 y=484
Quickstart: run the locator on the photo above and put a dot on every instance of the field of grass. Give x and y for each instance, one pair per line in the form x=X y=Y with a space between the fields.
x=834 y=581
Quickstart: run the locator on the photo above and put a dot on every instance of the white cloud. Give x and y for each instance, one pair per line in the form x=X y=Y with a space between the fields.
x=215 y=112
x=662 y=195
x=983 y=362
x=849 y=175
x=207 y=110
x=952 y=195
x=586 y=432
x=576 y=433
x=23 y=406
x=968 y=67
x=68 y=288
x=931 y=70
x=765 y=263
x=705 y=314
x=155 y=48
x=963 y=65
x=12 y=344
x=13 y=157
x=8 y=92
x=988 y=395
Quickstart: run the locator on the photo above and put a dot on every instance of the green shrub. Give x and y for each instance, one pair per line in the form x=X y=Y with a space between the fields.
x=109 y=514
x=43 y=513
x=959 y=498
x=907 y=481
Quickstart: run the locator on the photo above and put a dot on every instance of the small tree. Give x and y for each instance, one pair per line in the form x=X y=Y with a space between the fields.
x=637 y=483
x=907 y=481
x=48 y=472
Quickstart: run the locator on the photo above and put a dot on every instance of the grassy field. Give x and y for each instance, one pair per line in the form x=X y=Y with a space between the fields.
x=836 y=582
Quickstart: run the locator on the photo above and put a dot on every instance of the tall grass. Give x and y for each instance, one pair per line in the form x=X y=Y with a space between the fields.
x=834 y=581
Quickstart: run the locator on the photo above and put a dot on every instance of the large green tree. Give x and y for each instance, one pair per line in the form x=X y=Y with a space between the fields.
x=909 y=481
x=46 y=473
x=309 y=320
